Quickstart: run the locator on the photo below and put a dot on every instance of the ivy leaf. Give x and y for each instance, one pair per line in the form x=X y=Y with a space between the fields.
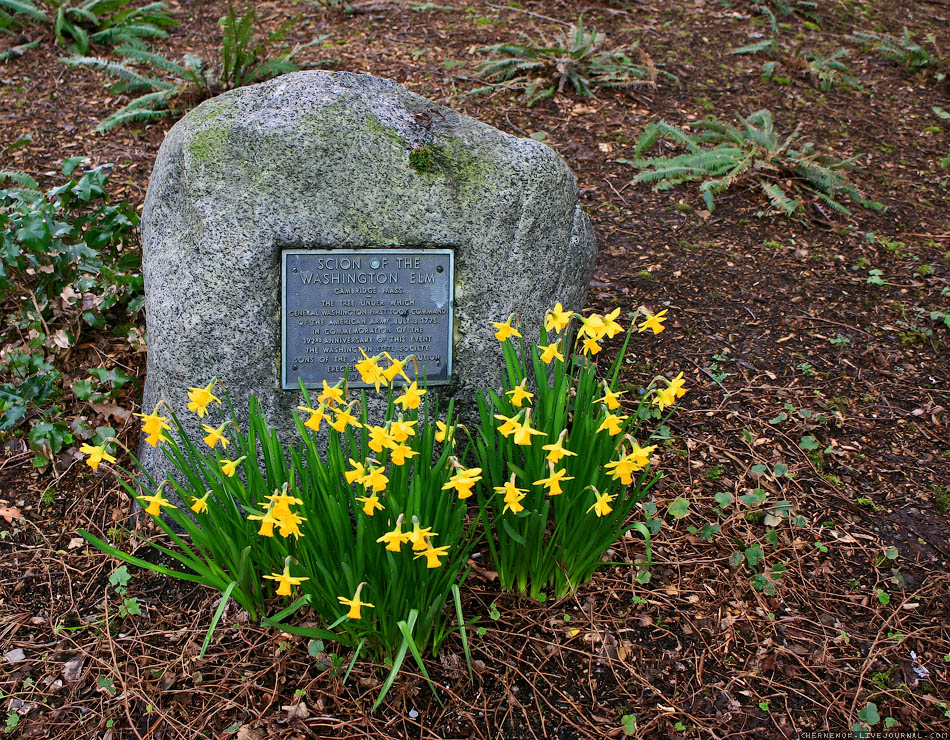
x=809 y=443
x=629 y=722
x=679 y=508
x=869 y=714
x=754 y=555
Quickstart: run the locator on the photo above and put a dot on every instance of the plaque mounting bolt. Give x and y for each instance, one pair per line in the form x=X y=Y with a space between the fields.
x=374 y=263
x=440 y=269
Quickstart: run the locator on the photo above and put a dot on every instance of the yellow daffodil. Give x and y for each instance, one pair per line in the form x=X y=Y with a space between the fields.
x=154 y=427
x=611 y=327
x=401 y=453
x=395 y=538
x=624 y=467
x=432 y=555
x=282 y=501
x=370 y=504
x=229 y=467
x=641 y=455
x=444 y=432
x=553 y=481
x=402 y=430
x=395 y=369
x=592 y=326
x=612 y=423
x=590 y=347
x=411 y=397
x=513 y=495
x=374 y=479
x=201 y=504
x=343 y=418
x=557 y=318
x=358 y=471
x=601 y=507
x=156 y=502
x=316 y=418
x=379 y=438
x=354 y=603
x=289 y=524
x=524 y=432
x=462 y=481
x=199 y=398
x=610 y=398
x=519 y=394
x=370 y=371
x=215 y=435
x=268 y=520
x=331 y=394
x=419 y=536
x=505 y=329
x=96 y=453
x=556 y=451
x=510 y=426
x=286 y=581
x=667 y=396
x=654 y=322
x=549 y=352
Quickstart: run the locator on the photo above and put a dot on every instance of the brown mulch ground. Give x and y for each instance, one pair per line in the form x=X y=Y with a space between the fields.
x=755 y=302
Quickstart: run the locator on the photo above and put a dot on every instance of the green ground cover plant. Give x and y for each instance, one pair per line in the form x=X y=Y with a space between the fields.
x=901 y=49
x=78 y=26
x=68 y=259
x=579 y=57
x=165 y=87
x=720 y=156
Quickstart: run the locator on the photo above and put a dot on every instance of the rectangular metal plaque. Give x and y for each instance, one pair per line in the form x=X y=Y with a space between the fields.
x=334 y=302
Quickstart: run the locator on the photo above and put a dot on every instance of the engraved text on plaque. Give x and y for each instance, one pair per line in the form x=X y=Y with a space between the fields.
x=335 y=302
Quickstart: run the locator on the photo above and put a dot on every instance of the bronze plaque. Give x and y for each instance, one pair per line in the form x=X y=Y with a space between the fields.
x=335 y=302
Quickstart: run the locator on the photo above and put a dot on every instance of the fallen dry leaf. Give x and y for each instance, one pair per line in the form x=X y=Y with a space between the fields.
x=120 y=414
x=9 y=513
x=297 y=711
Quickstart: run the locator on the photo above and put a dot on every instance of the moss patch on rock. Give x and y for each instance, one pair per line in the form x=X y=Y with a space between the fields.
x=420 y=159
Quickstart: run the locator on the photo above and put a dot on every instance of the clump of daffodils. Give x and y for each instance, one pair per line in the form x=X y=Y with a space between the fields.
x=563 y=453
x=370 y=531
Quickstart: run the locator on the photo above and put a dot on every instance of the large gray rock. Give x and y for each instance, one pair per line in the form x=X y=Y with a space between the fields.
x=321 y=160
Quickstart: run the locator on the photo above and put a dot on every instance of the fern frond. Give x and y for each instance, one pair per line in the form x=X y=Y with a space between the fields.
x=131 y=79
x=779 y=199
x=151 y=59
x=20 y=178
x=834 y=204
x=17 y=51
x=128 y=116
x=25 y=7
x=271 y=68
x=766 y=45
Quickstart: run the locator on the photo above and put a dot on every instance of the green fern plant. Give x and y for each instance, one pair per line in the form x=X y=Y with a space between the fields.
x=829 y=70
x=79 y=25
x=901 y=49
x=166 y=87
x=720 y=155
x=578 y=58
x=17 y=13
